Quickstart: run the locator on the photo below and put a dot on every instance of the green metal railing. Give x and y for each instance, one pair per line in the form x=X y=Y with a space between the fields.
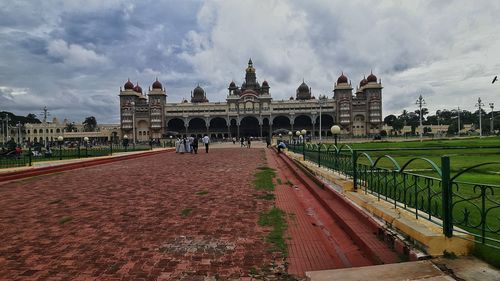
x=436 y=196
x=30 y=155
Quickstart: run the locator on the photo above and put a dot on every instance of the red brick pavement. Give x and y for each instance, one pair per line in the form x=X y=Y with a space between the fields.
x=122 y=221
x=317 y=241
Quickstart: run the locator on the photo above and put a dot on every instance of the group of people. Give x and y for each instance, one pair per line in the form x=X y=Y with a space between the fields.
x=190 y=144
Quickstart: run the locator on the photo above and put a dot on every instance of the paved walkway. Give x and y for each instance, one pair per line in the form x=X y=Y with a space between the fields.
x=163 y=217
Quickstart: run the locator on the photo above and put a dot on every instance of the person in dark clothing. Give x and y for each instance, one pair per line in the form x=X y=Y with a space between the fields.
x=242 y=142
x=195 y=145
x=249 y=141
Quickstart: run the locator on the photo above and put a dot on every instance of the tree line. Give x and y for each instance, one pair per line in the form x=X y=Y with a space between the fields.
x=443 y=117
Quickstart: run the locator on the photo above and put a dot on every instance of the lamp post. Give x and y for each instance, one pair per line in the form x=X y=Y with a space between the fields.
x=171 y=145
x=335 y=129
x=125 y=142
x=420 y=102
x=86 y=141
x=290 y=134
x=492 y=130
x=133 y=122
x=60 y=141
x=19 y=133
x=479 y=104
x=303 y=134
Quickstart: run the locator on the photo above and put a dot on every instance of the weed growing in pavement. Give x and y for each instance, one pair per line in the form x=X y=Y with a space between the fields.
x=266 y=196
x=289 y=183
x=55 y=201
x=185 y=212
x=276 y=219
x=264 y=179
x=278 y=180
x=65 y=220
x=201 y=193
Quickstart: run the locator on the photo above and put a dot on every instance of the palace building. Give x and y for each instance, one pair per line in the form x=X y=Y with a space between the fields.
x=250 y=110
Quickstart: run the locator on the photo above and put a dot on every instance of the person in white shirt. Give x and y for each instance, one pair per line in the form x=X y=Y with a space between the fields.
x=206 y=141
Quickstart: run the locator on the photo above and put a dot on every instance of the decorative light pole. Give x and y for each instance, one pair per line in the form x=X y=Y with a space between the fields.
x=60 y=140
x=298 y=136
x=290 y=134
x=335 y=129
x=303 y=134
x=420 y=102
x=86 y=141
x=492 y=123
x=479 y=104
x=125 y=142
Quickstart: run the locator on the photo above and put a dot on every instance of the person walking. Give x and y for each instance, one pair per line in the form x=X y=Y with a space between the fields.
x=195 y=145
x=249 y=141
x=206 y=141
x=242 y=142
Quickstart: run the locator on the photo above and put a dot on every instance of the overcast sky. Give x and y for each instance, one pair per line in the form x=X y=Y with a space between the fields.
x=73 y=56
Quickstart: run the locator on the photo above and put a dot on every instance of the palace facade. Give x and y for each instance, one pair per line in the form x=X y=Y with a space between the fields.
x=250 y=110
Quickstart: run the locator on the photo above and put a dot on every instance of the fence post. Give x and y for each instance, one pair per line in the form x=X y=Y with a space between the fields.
x=78 y=150
x=304 y=150
x=447 y=196
x=29 y=157
x=319 y=156
x=354 y=171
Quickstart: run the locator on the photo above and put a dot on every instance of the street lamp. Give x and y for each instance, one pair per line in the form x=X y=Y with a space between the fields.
x=479 y=104
x=171 y=144
x=125 y=141
x=303 y=134
x=335 y=129
x=290 y=134
x=492 y=105
x=60 y=141
x=420 y=102
x=86 y=141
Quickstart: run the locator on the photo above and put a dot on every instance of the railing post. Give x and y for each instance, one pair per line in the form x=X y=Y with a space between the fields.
x=319 y=156
x=303 y=150
x=29 y=157
x=78 y=150
x=354 y=171
x=447 y=197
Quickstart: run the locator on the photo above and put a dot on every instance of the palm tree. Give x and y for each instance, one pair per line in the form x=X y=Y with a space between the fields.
x=70 y=127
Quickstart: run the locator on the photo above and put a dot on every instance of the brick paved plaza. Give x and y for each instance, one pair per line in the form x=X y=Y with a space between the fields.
x=164 y=217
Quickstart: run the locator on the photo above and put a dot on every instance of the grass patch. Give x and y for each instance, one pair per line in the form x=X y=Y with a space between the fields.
x=266 y=196
x=201 y=193
x=55 y=201
x=185 y=212
x=289 y=183
x=65 y=220
x=276 y=219
x=278 y=180
x=264 y=179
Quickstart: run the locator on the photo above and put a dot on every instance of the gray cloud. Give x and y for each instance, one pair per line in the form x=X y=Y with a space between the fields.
x=73 y=56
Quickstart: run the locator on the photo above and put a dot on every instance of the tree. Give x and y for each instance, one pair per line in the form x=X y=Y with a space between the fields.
x=89 y=124
x=31 y=118
x=390 y=119
x=70 y=127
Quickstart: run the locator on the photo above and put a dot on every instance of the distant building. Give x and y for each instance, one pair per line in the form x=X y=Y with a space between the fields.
x=250 y=110
x=47 y=132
